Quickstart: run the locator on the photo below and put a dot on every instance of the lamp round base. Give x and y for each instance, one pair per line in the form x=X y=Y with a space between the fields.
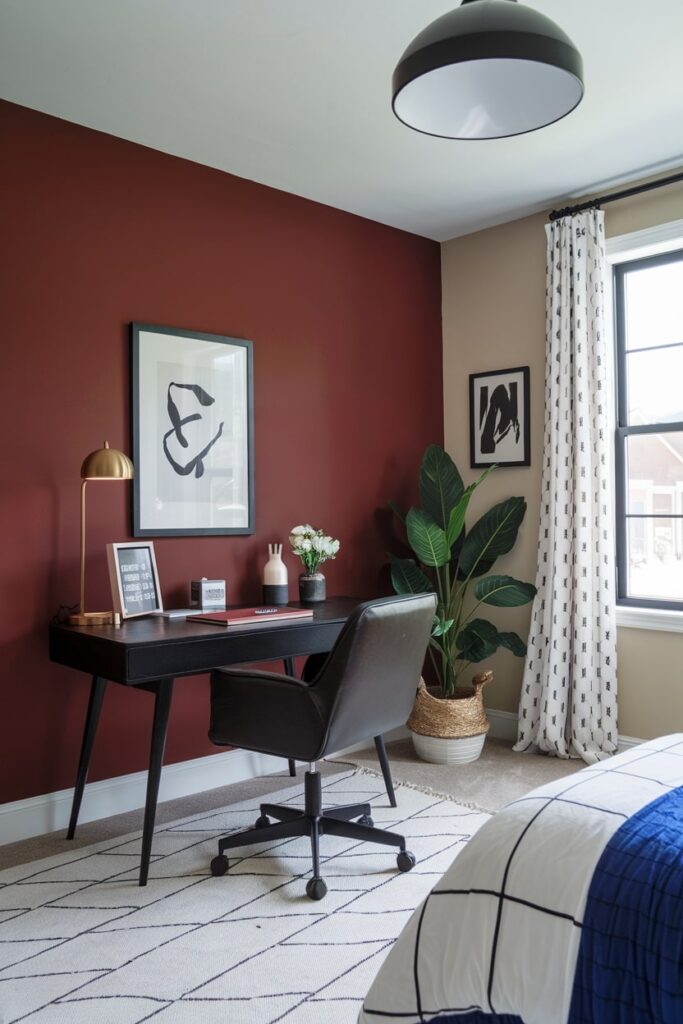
x=91 y=619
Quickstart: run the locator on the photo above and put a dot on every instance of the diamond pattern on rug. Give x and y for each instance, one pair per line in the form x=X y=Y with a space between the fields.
x=25 y=895
x=315 y=1011
x=86 y=1011
x=304 y=971
x=12 y=953
x=81 y=941
x=357 y=979
x=253 y=1010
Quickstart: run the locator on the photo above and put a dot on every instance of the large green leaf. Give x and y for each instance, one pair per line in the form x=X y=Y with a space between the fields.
x=513 y=642
x=455 y=555
x=493 y=535
x=503 y=591
x=427 y=540
x=441 y=485
x=478 y=640
x=456 y=520
x=480 y=569
x=408 y=578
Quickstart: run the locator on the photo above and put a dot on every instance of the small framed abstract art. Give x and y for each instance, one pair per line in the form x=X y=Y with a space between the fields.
x=193 y=433
x=499 y=418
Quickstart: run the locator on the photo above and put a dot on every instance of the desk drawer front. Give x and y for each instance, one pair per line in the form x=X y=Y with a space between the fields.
x=190 y=657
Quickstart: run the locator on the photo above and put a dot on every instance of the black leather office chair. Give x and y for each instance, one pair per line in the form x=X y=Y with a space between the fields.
x=365 y=688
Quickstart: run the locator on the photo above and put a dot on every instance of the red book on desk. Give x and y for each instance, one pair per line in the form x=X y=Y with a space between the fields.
x=245 y=616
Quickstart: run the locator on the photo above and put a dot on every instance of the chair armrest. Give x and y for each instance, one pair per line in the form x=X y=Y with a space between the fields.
x=261 y=676
x=265 y=711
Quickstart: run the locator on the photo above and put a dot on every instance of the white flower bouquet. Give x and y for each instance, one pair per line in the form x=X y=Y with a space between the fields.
x=312 y=546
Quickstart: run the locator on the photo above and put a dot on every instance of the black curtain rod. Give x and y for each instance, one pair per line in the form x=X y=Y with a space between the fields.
x=594 y=204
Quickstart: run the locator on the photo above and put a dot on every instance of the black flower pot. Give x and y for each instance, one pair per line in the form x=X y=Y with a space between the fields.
x=311 y=587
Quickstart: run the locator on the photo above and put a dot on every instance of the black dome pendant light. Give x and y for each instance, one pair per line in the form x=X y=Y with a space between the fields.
x=487 y=70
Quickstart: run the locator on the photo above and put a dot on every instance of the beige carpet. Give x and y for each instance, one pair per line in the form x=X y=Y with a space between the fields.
x=498 y=777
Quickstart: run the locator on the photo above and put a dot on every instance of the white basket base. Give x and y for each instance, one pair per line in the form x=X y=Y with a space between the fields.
x=445 y=750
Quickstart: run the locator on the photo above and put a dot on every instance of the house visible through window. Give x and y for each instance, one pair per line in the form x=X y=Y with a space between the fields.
x=649 y=436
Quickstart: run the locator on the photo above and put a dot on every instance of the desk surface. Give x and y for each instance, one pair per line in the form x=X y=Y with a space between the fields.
x=141 y=650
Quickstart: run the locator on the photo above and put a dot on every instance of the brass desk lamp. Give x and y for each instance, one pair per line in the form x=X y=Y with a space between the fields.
x=104 y=464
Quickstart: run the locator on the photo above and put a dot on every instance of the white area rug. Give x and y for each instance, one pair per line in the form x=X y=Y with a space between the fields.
x=81 y=942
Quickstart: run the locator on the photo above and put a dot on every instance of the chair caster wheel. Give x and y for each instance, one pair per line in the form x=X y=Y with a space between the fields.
x=405 y=860
x=219 y=865
x=365 y=819
x=262 y=822
x=315 y=888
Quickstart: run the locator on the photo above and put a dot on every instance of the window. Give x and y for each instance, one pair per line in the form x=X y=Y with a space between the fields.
x=649 y=437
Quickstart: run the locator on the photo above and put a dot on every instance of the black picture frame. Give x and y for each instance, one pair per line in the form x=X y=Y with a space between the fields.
x=512 y=407
x=194 y=476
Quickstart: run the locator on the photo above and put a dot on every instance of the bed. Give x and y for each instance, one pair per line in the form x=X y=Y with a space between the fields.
x=565 y=908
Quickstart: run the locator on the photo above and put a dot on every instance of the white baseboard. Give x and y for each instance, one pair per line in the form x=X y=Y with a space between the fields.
x=504 y=727
x=626 y=742
x=49 y=812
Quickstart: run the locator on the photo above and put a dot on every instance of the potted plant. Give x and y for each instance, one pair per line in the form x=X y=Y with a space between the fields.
x=448 y=722
x=313 y=547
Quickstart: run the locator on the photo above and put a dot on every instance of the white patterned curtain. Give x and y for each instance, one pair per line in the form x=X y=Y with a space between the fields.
x=568 y=705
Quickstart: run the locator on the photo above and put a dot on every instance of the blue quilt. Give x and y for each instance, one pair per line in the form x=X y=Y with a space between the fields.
x=630 y=963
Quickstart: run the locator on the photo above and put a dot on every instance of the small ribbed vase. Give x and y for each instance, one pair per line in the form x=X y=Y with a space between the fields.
x=311 y=587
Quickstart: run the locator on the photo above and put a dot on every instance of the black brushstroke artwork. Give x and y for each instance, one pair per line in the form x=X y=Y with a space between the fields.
x=497 y=417
x=196 y=463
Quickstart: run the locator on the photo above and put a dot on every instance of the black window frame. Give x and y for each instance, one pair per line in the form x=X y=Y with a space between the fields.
x=624 y=430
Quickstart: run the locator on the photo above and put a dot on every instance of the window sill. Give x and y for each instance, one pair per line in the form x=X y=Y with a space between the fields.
x=649 y=618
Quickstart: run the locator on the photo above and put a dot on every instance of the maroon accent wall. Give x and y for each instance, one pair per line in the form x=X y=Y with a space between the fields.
x=345 y=317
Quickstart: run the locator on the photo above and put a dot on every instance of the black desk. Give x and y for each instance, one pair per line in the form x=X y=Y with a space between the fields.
x=148 y=654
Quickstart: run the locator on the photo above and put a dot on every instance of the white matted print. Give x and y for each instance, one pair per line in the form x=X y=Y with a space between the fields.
x=134 y=579
x=499 y=418
x=192 y=433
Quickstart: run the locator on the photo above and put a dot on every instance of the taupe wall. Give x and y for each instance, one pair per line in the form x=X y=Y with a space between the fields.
x=493 y=288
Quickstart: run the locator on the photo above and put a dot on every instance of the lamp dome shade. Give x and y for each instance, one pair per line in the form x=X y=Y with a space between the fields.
x=487 y=70
x=107 y=464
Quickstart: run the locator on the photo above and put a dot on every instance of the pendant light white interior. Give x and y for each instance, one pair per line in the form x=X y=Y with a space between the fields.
x=489 y=69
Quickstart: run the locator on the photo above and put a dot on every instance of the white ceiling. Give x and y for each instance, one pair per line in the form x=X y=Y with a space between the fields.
x=296 y=94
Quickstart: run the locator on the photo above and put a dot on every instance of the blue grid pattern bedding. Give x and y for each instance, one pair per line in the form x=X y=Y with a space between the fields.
x=565 y=908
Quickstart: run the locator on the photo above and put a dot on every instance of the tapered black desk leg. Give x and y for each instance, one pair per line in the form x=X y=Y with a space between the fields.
x=386 y=770
x=97 y=689
x=291 y=671
x=162 y=703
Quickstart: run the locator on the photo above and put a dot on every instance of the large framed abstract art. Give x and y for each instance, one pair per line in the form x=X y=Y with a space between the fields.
x=193 y=433
x=499 y=418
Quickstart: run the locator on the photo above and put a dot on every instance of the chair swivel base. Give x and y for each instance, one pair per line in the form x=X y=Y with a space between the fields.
x=313 y=822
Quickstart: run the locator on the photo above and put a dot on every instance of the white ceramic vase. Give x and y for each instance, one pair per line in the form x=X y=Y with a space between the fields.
x=275 y=577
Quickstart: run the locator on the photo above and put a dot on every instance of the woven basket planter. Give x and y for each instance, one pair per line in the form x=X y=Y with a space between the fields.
x=450 y=730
